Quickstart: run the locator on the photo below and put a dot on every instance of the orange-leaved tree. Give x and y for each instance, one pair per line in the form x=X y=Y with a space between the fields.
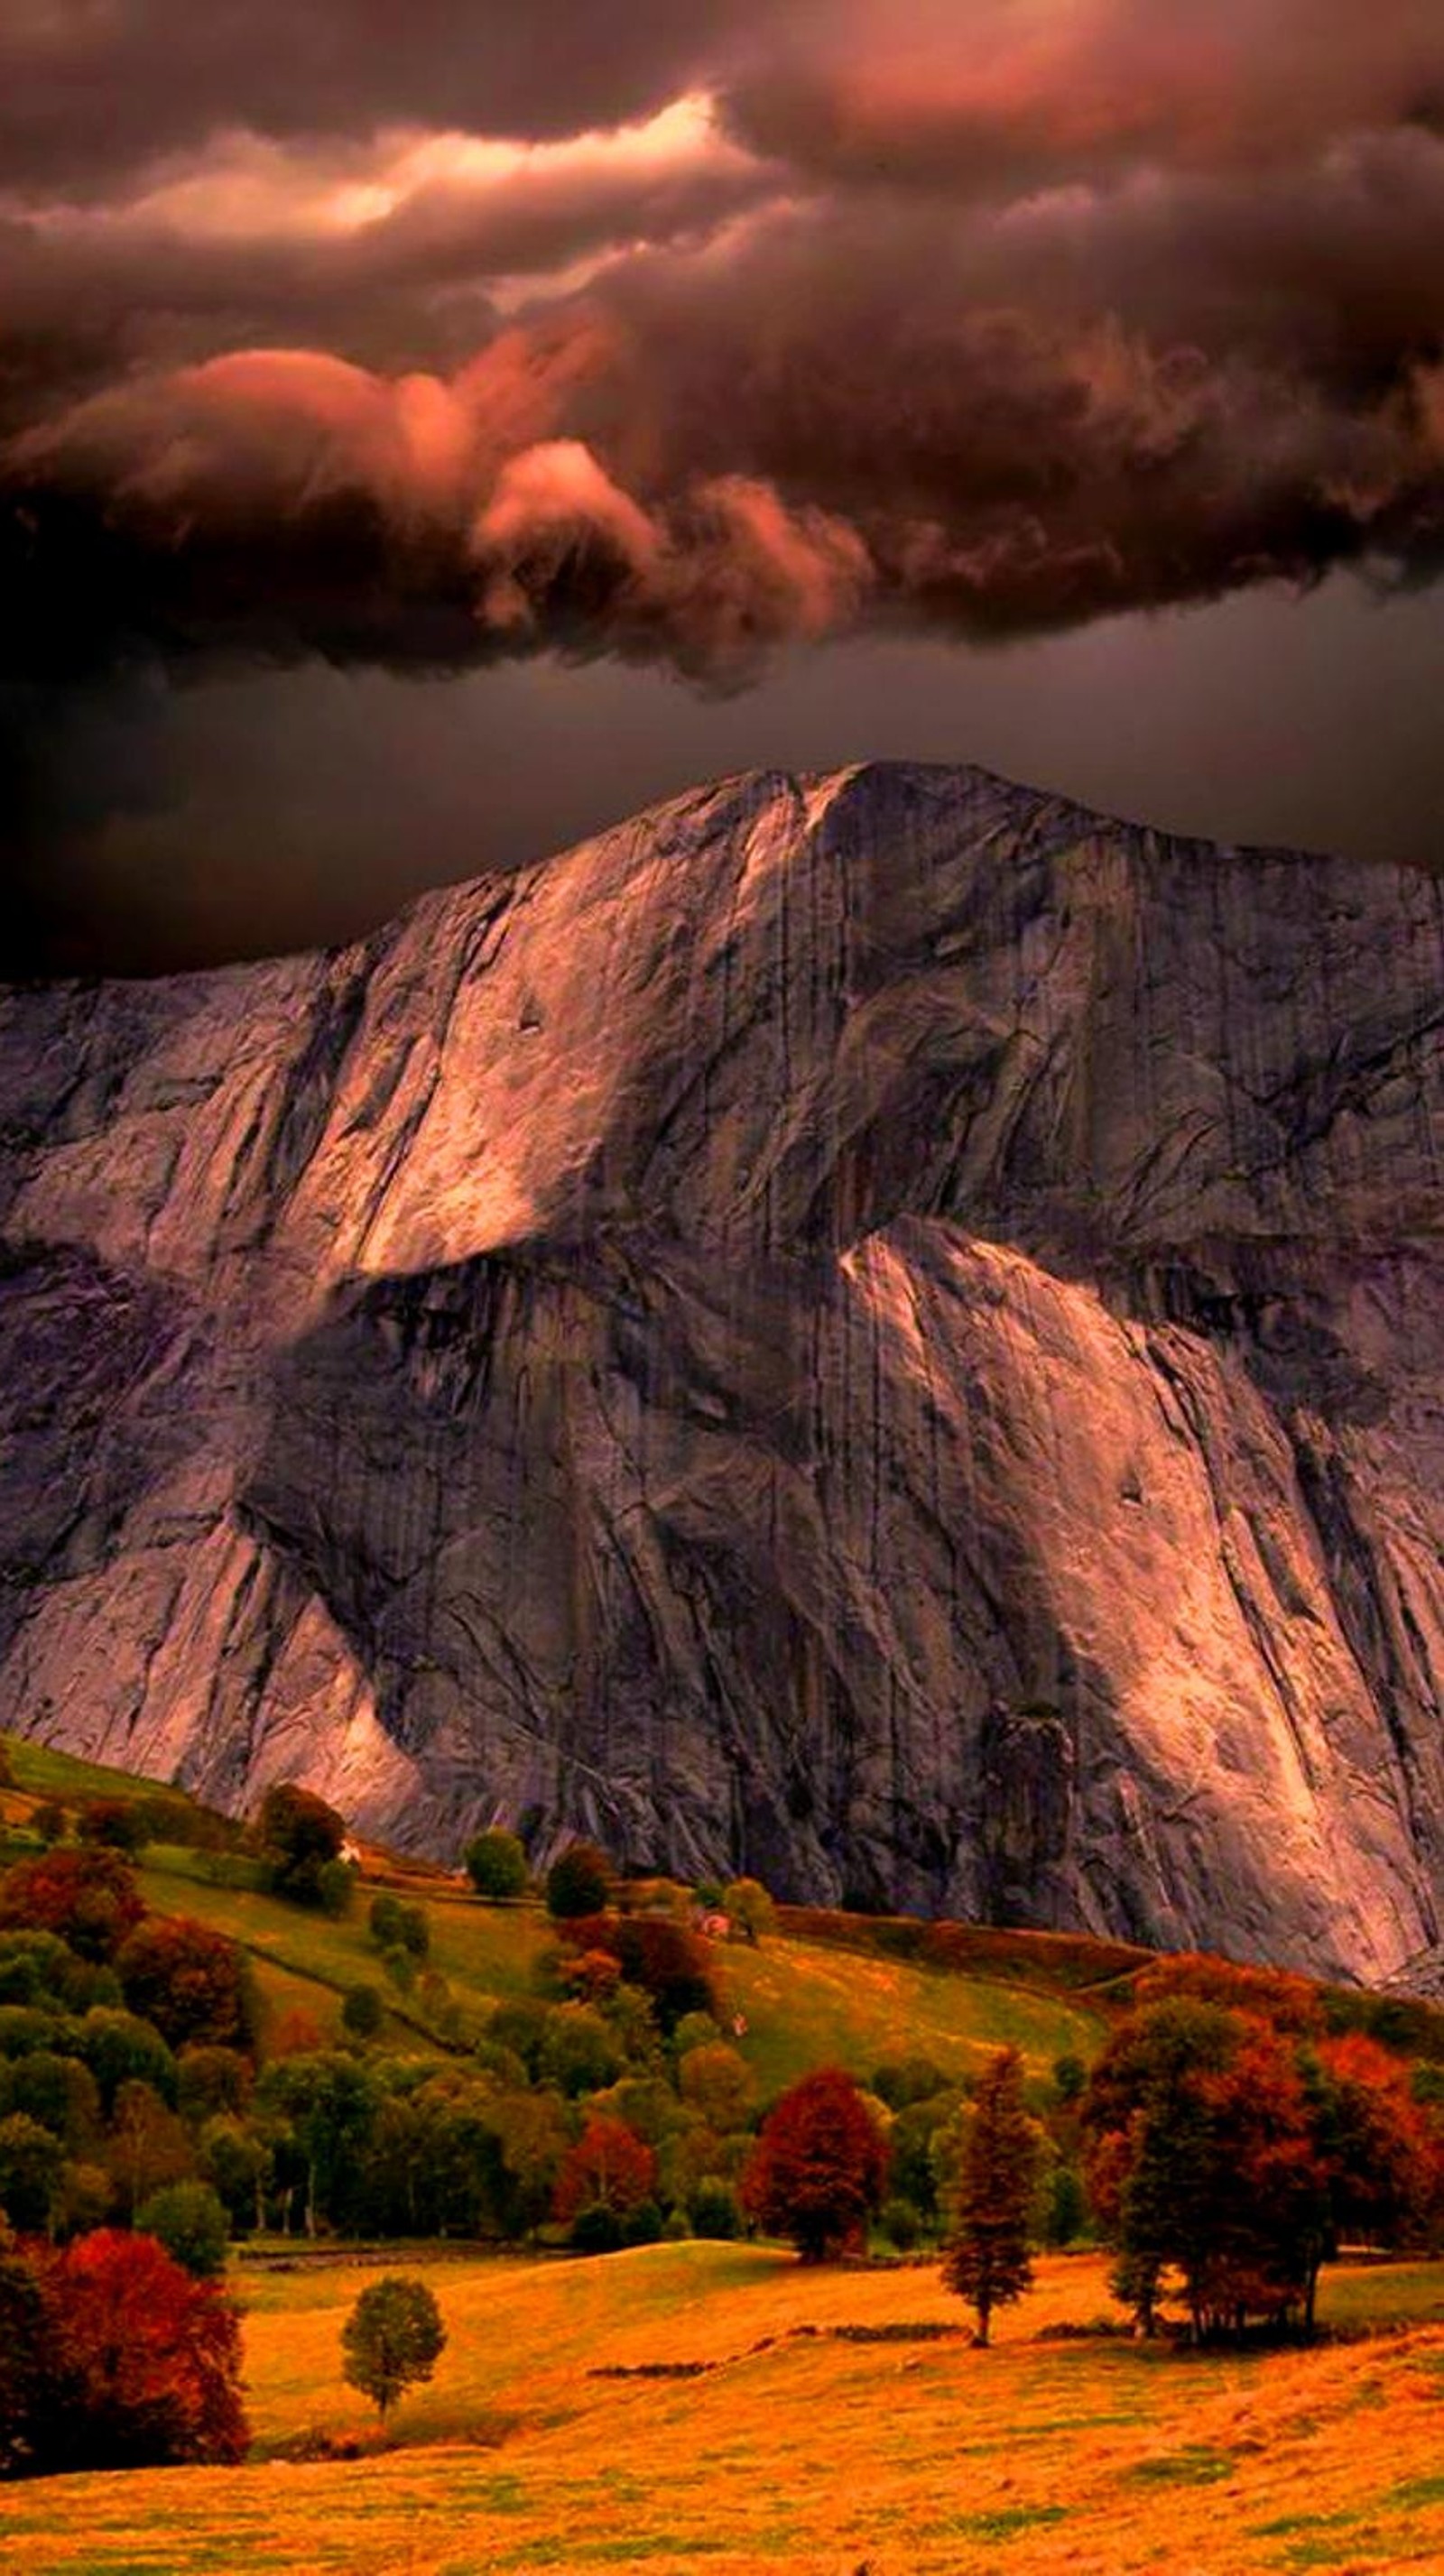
x=819 y=2168
x=608 y=2167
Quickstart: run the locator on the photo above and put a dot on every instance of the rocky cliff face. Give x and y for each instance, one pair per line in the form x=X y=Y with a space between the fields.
x=874 y=1328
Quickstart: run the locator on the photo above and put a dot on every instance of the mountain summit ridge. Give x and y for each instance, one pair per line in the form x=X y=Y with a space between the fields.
x=875 y=1327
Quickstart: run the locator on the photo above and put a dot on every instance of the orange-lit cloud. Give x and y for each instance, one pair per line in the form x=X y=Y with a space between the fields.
x=980 y=320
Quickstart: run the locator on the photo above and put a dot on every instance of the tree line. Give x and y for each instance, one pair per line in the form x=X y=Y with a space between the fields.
x=1227 y=2140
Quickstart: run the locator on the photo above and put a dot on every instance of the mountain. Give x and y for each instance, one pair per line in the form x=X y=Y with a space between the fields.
x=876 y=1328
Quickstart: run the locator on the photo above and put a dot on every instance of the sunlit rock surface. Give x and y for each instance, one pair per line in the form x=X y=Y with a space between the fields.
x=876 y=1329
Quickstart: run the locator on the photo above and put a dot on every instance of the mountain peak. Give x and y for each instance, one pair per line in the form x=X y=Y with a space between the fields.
x=872 y=1326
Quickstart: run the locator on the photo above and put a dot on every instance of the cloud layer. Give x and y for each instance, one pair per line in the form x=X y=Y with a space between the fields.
x=746 y=327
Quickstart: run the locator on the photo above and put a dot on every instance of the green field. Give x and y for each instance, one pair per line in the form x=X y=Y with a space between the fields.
x=805 y=2001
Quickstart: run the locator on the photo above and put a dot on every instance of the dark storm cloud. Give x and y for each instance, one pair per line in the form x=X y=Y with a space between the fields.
x=976 y=321
x=93 y=88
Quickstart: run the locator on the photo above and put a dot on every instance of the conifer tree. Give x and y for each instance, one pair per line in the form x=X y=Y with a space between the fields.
x=987 y=2260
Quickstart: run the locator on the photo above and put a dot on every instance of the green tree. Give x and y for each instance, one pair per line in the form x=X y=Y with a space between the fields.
x=189 y=2220
x=747 y=1902
x=578 y=1883
x=31 y=2162
x=362 y=2013
x=987 y=2260
x=299 y=1836
x=495 y=1863
x=392 y=2339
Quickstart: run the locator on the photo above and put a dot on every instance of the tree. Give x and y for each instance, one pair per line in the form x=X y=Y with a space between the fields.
x=298 y=1836
x=750 y=1907
x=1205 y=2156
x=987 y=2260
x=144 y=2362
x=819 y=2168
x=149 y=2146
x=116 y=1823
x=31 y=2162
x=192 y=1984
x=609 y=2167
x=189 y=2220
x=89 y=1898
x=578 y=1883
x=718 y=2083
x=392 y=2339
x=495 y=1863
x=22 y=2354
x=362 y=2012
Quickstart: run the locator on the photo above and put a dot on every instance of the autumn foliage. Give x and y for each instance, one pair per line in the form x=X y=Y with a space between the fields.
x=129 y=2361
x=609 y=2167
x=819 y=2168
x=1230 y=2148
x=192 y=1984
x=89 y=1899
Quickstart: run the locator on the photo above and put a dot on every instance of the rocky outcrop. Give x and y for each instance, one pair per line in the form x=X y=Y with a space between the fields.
x=876 y=1328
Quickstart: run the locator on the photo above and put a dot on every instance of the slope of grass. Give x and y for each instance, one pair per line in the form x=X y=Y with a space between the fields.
x=825 y=2421
x=843 y=1989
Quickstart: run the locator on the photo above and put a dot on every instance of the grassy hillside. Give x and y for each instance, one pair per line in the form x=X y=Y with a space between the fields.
x=693 y=2405
x=823 y=1989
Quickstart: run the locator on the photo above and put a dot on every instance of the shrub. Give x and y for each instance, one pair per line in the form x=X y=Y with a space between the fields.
x=496 y=1865
x=50 y=1821
x=383 y=1921
x=189 y=2220
x=596 y=2229
x=392 y=2339
x=578 y=1883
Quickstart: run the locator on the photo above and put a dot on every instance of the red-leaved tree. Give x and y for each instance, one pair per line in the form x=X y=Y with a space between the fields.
x=89 y=1898
x=608 y=2167
x=193 y=1984
x=819 y=2168
x=143 y=2362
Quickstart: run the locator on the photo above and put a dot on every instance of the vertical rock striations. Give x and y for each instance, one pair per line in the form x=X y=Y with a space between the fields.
x=877 y=1329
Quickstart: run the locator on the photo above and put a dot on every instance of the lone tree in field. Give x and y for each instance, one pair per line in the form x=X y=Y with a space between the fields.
x=495 y=1863
x=299 y=1837
x=819 y=2168
x=392 y=2339
x=578 y=1883
x=987 y=2260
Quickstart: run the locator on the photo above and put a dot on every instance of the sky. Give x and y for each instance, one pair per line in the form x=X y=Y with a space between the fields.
x=414 y=455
